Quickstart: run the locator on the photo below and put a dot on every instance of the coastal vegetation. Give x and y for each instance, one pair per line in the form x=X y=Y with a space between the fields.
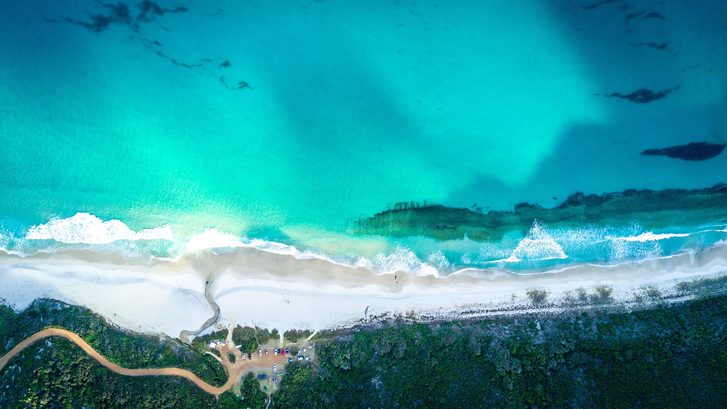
x=248 y=338
x=670 y=356
x=56 y=373
x=658 y=355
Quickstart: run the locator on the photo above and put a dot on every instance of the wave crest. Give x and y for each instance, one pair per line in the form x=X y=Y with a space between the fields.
x=651 y=236
x=85 y=228
x=536 y=246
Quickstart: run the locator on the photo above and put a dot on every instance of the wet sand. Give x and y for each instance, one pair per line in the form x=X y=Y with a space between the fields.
x=284 y=292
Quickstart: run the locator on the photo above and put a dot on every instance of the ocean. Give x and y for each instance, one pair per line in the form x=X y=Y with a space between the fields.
x=157 y=129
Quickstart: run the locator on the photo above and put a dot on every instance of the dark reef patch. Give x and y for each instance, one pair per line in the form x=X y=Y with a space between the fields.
x=693 y=151
x=642 y=15
x=597 y=4
x=238 y=86
x=653 y=208
x=155 y=46
x=643 y=95
x=118 y=13
x=654 y=45
x=653 y=15
x=148 y=10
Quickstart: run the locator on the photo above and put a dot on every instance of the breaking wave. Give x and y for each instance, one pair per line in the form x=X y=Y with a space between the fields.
x=538 y=245
x=86 y=228
x=540 y=248
x=650 y=236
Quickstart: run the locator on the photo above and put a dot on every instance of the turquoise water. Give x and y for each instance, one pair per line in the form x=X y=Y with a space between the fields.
x=348 y=107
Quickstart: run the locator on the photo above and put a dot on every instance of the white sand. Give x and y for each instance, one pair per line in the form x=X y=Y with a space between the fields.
x=279 y=291
x=133 y=298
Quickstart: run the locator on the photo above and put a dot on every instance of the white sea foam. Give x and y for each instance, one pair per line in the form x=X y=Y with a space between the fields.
x=651 y=236
x=88 y=229
x=438 y=260
x=635 y=250
x=579 y=237
x=212 y=238
x=400 y=260
x=537 y=245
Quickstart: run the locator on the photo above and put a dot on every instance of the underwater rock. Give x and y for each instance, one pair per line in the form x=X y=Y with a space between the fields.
x=692 y=151
x=643 y=95
x=225 y=63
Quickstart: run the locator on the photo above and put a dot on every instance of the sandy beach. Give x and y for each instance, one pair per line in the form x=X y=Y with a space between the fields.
x=284 y=292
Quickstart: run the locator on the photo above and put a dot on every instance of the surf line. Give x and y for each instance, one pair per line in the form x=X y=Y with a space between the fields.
x=185 y=335
x=233 y=373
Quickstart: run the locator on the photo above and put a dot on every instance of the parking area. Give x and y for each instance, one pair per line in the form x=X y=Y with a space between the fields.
x=268 y=362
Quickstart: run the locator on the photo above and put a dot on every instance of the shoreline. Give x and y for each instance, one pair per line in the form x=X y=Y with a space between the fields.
x=283 y=292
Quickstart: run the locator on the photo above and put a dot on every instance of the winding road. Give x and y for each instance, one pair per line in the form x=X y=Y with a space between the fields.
x=233 y=370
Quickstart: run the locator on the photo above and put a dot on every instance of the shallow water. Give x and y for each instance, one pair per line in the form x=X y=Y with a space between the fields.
x=345 y=109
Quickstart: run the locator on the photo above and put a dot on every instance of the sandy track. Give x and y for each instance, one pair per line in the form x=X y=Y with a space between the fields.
x=185 y=335
x=88 y=349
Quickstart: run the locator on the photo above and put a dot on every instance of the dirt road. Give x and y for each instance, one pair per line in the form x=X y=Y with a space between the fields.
x=88 y=349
